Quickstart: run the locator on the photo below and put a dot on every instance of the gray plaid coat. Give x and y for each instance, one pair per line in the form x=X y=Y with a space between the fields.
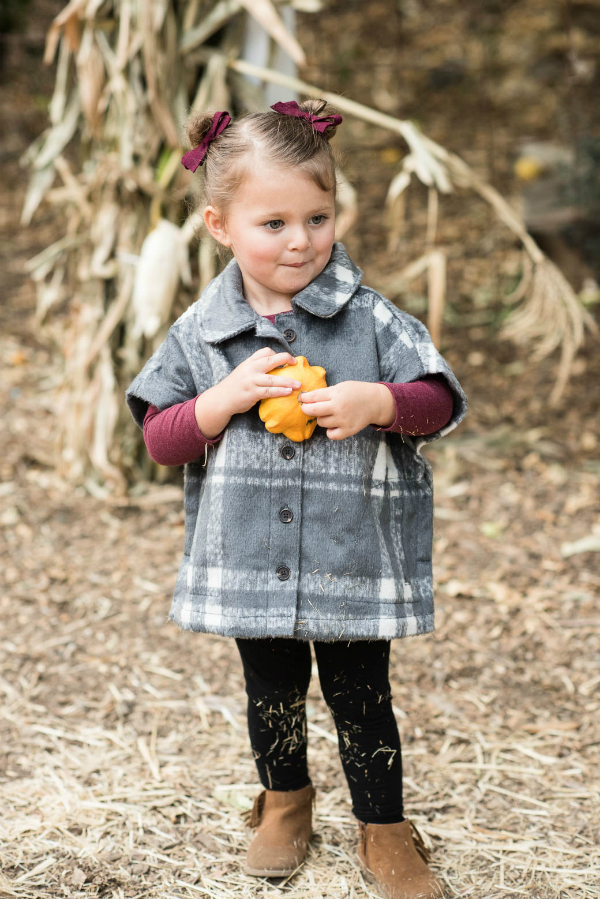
x=320 y=539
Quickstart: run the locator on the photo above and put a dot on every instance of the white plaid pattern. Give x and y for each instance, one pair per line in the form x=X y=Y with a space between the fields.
x=358 y=547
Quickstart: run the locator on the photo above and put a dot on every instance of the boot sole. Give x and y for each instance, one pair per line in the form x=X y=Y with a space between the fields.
x=381 y=889
x=368 y=875
x=273 y=872
x=278 y=872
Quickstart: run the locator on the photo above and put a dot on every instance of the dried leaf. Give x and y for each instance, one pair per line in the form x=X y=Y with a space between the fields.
x=67 y=18
x=60 y=134
x=39 y=184
x=266 y=15
x=163 y=261
x=90 y=76
x=216 y=18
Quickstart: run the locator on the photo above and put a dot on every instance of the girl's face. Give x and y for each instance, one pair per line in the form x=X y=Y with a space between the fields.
x=279 y=217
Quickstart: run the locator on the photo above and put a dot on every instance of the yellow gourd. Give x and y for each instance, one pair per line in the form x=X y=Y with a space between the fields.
x=283 y=414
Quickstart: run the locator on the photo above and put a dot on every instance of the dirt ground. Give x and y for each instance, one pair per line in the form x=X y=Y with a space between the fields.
x=125 y=765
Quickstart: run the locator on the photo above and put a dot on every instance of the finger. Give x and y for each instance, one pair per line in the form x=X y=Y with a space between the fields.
x=327 y=421
x=268 y=390
x=335 y=433
x=281 y=380
x=269 y=351
x=279 y=359
x=315 y=409
x=277 y=386
x=315 y=396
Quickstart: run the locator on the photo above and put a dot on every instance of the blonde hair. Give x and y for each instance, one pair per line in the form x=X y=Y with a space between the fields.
x=280 y=139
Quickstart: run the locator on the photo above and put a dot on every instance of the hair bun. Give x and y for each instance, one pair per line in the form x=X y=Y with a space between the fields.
x=320 y=108
x=198 y=127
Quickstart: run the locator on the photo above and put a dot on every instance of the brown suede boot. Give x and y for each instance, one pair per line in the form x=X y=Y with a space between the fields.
x=394 y=857
x=284 y=821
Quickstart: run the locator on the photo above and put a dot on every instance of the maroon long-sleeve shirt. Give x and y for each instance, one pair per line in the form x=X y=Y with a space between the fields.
x=172 y=437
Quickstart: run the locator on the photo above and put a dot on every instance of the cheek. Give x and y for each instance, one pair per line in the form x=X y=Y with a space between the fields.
x=326 y=237
x=264 y=248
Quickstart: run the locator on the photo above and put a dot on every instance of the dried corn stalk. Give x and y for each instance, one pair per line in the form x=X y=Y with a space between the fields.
x=552 y=314
x=126 y=79
x=128 y=73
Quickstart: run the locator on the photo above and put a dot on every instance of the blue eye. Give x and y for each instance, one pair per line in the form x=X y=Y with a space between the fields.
x=266 y=225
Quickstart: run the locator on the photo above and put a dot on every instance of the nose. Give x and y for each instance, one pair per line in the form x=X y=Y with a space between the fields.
x=298 y=238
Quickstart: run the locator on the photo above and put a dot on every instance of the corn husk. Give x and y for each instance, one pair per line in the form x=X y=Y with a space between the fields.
x=266 y=15
x=127 y=75
x=163 y=261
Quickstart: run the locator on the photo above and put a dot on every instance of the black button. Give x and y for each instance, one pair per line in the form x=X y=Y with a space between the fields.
x=289 y=335
x=283 y=572
x=288 y=452
x=286 y=515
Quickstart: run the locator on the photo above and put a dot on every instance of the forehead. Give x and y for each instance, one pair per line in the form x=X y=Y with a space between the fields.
x=270 y=188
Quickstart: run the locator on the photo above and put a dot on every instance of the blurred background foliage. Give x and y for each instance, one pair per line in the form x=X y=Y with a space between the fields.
x=127 y=257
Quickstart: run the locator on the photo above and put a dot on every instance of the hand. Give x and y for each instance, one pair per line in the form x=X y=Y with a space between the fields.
x=345 y=408
x=250 y=381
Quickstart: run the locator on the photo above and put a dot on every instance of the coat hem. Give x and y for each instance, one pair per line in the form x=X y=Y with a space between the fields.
x=257 y=628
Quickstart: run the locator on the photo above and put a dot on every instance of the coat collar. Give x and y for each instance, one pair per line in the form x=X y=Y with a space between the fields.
x=224 y=312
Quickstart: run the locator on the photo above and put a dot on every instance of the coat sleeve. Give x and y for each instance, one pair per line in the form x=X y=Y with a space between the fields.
x=407 y=352
x=171 y=375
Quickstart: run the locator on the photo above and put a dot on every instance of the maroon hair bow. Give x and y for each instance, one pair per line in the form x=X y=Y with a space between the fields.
x=196 y=157
x=319 y=123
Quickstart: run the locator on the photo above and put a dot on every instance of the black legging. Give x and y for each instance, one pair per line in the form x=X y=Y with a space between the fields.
x=355 y=683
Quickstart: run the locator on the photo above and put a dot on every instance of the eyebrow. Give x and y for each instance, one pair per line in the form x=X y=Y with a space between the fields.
x=273 y=215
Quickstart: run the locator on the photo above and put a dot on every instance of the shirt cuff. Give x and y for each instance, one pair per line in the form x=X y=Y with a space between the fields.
x=172 y=436
x=394 y=424
x=209 y=440
x=422 y=406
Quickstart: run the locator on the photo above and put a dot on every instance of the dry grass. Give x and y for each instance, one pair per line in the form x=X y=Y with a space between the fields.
x=125 y=766
x=141 y=792
x=126 y=763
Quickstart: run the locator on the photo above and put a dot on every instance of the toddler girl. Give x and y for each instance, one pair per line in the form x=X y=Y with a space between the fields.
x=327 y=539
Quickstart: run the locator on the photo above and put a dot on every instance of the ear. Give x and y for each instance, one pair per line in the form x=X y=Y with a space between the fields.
x=216 y=225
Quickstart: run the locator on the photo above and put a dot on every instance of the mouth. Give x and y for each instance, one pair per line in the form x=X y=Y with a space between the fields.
x=295 y=264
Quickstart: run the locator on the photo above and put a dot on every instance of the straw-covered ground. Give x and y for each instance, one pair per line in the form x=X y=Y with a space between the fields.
x=125 y=761
x=125 y=765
